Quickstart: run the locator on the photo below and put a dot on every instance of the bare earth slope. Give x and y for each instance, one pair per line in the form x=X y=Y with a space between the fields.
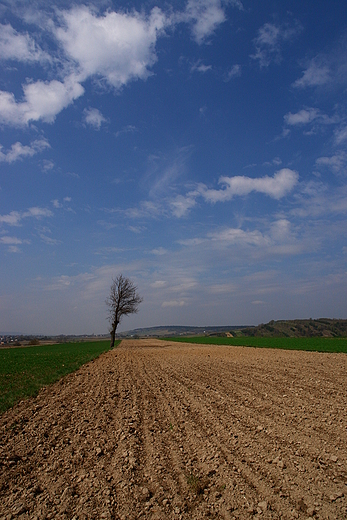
x=165 y=431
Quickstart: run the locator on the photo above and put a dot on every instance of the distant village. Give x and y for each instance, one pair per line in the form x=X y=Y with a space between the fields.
x=9 y=340
x=18 y=340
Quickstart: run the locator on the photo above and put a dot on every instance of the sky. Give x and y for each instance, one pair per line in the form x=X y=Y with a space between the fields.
x=198 y=147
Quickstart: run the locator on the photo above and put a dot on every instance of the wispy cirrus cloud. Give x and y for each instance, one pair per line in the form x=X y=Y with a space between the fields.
x=341 y=135
x=326 y=70
x=269 y=41
x=234 y=72
x=336 y=162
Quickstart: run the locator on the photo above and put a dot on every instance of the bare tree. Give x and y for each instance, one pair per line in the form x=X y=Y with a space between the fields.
x=123 y=300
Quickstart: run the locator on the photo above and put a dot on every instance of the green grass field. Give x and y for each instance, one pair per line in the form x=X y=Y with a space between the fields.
x=317 y=344
x=23 y=371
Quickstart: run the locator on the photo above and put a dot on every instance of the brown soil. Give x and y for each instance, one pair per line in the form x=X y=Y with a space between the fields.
x=163 y=430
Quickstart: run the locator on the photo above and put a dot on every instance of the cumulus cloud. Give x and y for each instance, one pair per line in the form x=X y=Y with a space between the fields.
x=302 y=117
x=19 y=47
x=94 y=118
x=268 y=43
x=14 y=217
x=42 y=101
x=118 y=47
x=308 y=116
x=275 y=187
x=114 y=48
x=18 y=150
x=13 y=243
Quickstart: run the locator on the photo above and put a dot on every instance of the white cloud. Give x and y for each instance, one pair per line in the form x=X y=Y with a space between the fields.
x=269 y=41
x=337 y=163
x=316 y=74
x=49 y=240
x=13 y=243
x=158 y=284
x=315 y=200
x=234 y=72
x=10 y=240
x=200 y=67
x=341 y=135
x=57 y=204
x=94 y=118
x=174 y=303
x=231 y=236
x=118 y=47
x=18 y=150
x=275 y=187
x=309 y=116
x=126 y=130
x=42 y=101
x=47 y=165
x=278 y=238
x=181 y=205
x=302 y=117
x=14 y=217
x=328 y=70
x=115 y=48
x=205 y=16
x=159 y=251
x=20 y=47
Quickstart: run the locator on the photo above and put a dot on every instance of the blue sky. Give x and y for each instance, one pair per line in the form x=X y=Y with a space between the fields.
x=198 y=147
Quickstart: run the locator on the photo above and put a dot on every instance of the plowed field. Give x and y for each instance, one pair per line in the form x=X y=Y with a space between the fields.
x=163 y=430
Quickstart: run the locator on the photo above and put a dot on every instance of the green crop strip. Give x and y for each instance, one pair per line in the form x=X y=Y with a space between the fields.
x=317 y=344
x=23 y=371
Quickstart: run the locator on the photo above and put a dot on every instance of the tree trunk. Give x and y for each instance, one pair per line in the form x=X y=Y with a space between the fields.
x=113 y=334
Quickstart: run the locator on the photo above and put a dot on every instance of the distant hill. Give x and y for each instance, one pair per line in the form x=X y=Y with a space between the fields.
x=323 y=327
x=167 y=331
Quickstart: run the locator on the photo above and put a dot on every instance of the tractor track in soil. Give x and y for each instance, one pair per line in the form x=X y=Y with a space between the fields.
x=164 y=430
